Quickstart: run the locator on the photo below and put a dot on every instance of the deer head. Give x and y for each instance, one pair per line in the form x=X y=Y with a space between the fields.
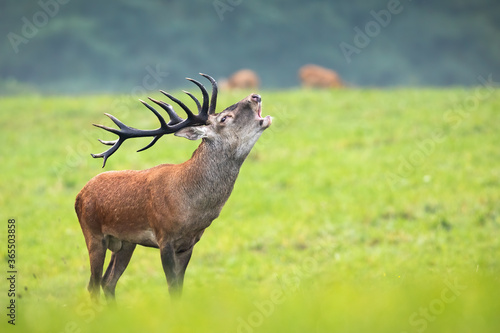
x=238 y=126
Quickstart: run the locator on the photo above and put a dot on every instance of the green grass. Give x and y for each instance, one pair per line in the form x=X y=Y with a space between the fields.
x=357 y=211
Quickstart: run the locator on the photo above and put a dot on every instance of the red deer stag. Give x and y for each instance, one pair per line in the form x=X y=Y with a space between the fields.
x=168 y=206
x=314 y=76
x=242 y=79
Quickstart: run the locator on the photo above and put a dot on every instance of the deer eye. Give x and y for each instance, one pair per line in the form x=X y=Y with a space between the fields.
x=223 y=119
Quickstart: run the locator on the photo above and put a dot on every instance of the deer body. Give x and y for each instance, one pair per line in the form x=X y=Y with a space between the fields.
x=314 y=76
x=168 y=206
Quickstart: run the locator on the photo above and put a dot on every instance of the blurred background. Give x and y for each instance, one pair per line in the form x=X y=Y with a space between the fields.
x=92 y=46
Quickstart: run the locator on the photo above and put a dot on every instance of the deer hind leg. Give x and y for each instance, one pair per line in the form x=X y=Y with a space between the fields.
x=117 y=265
x=97 y=253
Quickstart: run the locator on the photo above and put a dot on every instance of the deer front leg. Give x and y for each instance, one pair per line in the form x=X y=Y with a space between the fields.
x=174 y=265
x=182 y=258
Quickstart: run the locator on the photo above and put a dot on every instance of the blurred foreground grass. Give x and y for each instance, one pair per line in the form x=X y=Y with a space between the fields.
x=358 y=210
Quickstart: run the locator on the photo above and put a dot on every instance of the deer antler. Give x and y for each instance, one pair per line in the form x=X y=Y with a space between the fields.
x=176 y=123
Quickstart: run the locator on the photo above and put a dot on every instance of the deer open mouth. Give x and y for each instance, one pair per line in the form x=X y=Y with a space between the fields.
x=266 y=122
x=263 y=122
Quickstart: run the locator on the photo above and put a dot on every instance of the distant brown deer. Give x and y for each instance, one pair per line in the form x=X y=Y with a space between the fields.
x=168 y=206
x=314 y=76
x=242 y=79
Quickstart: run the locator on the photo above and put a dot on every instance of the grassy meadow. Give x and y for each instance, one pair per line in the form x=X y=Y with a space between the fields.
x=358 y=210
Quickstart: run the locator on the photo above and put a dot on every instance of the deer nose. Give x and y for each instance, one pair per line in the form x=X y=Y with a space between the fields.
x=256 y=98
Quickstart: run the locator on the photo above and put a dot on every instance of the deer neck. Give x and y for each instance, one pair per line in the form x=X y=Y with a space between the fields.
x=211 y=172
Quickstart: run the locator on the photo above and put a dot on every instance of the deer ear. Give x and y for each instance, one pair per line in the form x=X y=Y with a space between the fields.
x=192 y=132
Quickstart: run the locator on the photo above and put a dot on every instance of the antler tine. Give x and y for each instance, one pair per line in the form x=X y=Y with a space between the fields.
x=107 y=143
x=174 y=117
x=198 y=105
x=106 y=154
x=204 y=109
x=158 y=115
x=213 y=101
x=182 y=105
x=151 y=144
x=115 y=143
x=116 y=121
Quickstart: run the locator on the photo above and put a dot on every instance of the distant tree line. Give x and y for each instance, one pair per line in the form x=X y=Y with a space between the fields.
x=72 y=46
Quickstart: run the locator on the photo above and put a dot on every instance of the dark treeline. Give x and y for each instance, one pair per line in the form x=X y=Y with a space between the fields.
x=71 y=46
